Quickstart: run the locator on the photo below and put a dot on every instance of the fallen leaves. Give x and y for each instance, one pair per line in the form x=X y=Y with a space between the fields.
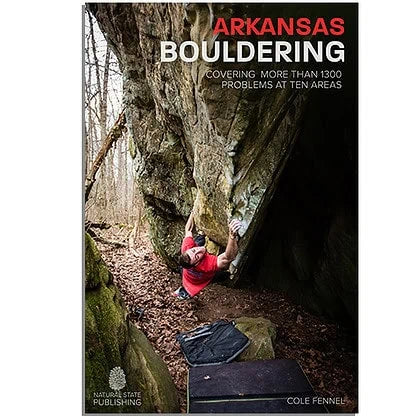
x=323 y=349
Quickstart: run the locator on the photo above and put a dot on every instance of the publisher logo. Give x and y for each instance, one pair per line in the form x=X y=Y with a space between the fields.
x=117 y=379
x=117 y=398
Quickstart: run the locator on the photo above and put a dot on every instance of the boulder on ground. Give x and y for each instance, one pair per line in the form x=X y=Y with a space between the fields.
x=262 y=335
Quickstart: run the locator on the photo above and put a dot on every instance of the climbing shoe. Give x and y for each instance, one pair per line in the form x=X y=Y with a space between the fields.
x=181 y=294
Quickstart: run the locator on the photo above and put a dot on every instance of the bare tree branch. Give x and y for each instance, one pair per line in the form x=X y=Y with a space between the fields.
x=94 y=52
x=114 y=134
x=103 y=240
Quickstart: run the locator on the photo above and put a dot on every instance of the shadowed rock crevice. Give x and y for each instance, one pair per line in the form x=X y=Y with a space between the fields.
x=307 y=245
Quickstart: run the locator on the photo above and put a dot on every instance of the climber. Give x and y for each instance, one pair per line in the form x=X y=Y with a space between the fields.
x=198 y=267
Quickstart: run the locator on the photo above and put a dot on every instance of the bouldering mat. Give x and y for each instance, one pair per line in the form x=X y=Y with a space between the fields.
x=212 y=344
x=269 y=386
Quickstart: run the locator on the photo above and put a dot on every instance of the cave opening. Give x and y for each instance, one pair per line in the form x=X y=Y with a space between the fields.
x=307 y=243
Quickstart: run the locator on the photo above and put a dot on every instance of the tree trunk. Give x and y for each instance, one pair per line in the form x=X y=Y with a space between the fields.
x=114 y=134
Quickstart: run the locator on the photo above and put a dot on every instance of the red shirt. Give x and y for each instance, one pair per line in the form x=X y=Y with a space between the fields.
x=196 y=278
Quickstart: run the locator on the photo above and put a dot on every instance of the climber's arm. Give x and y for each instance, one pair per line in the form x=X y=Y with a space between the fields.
x=189 y=225
x=231 y=250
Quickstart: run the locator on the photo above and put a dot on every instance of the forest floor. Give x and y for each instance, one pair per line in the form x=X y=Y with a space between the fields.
x=325 y=350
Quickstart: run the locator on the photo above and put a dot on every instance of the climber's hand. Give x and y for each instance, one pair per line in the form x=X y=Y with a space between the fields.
x=234 y=226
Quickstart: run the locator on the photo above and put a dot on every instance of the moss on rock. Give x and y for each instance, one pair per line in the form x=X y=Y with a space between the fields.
x=159 y=384
x=110 y=342
x=96 y=271
x=262 y=335
x=209 y=221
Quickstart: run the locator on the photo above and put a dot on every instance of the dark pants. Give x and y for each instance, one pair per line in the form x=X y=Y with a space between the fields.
x=200 y=240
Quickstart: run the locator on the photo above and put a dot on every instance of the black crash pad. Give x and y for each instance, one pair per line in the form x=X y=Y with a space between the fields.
x=251 y=387
x=212 y=344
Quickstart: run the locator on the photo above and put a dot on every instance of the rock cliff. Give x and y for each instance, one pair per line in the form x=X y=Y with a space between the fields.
x=270 y=157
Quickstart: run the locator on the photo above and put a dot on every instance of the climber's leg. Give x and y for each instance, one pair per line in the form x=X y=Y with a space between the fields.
x=181 y=293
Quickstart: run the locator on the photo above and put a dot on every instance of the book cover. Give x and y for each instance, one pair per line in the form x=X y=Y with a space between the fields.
x=221 y=198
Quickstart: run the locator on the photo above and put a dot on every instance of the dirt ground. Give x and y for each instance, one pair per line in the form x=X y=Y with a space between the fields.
x=325 y=350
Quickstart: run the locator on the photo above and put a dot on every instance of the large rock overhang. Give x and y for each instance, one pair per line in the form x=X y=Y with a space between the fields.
x=224 y=152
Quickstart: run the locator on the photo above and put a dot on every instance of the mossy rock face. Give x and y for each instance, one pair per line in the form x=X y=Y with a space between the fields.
x=211 y=247
x=160 y=390
x=110 y=342
x=262 y=335
x=95 y=269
